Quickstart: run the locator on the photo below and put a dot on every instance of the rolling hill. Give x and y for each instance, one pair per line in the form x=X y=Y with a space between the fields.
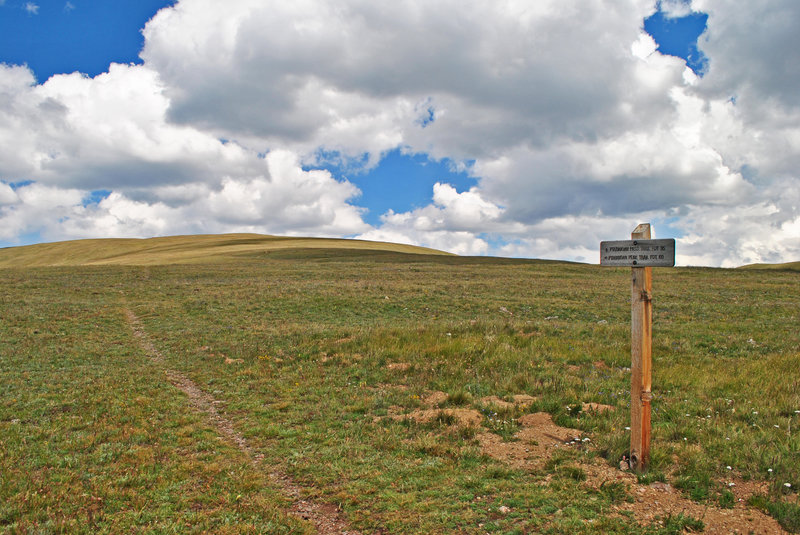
x=180 y=250
x=787 y=266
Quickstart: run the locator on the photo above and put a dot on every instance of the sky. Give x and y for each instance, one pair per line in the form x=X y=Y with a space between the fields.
x=490 y=127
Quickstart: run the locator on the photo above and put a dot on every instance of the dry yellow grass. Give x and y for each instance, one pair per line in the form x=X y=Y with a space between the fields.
x=178 y=250
x=788 y=266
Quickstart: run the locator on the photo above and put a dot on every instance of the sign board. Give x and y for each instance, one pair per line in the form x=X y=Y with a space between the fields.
x=638 y=253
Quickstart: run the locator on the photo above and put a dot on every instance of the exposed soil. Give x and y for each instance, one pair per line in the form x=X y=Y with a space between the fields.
x=519 y=400
x=325 y=517
x=435 y=398
x=536 y=442
x=596 y=407
x=539 y=437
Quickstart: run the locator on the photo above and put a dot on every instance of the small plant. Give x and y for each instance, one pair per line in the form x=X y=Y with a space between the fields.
x=459 y=398
x=726 y=499
x=615 y=491
x=651 y=476
x=571 y=472
x=681 y=523
x=696 y=485
x=506 y=427
x=445 y=418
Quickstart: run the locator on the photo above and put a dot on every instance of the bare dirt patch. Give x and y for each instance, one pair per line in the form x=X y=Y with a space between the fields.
x=596 y=407
x=534 y=444
x=463 y=417
x=435 y=399
x=660 y=500
x=539 y=438
x=519 y=400
x=325 y=517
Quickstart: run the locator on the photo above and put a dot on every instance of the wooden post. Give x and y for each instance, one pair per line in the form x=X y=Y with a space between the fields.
x=641 y=254
x=641 y=358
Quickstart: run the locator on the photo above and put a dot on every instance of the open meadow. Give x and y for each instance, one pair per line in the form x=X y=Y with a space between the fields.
x=327 y=389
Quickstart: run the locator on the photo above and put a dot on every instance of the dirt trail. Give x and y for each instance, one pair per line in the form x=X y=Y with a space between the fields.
x=325 y=517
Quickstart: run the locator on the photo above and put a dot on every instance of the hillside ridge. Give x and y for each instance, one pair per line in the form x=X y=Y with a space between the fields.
x=190 y=249
x=786 y=266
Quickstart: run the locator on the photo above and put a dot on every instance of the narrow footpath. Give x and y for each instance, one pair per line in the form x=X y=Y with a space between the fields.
x=326 y=518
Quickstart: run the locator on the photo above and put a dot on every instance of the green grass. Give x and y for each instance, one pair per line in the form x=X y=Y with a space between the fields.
x=92 y=434
x=93 y=439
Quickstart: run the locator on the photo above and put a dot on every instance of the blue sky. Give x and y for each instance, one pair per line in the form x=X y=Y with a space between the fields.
x=418 y=136
x=54 y=37
x=677 y=36
x=401 y=182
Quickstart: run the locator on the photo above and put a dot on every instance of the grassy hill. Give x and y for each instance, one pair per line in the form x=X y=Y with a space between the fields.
x=788 y=266
x=221 y=384
x=179 y=250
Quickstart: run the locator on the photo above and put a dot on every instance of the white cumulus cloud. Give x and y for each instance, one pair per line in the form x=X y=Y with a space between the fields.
x=574 y=125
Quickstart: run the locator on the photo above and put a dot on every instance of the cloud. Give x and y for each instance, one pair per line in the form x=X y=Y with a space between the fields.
x=73 y=135
x=105 y=132
x=456 y=222
x=69 y=6
x=285 y=200
x=31 y=8
x=675 y=8
x=753 y=49
x=7 y=194
x=759 y=232
x=333 y=74
x=575 y=126
x=32 y=206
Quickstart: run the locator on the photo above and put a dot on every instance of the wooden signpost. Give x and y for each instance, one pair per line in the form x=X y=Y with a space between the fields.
x=641 y=254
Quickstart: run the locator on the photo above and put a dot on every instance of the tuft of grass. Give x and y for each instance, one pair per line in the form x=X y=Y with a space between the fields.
x=616 y=492
x=681 y=523
x=571 y=472
x=786 y=513
x=698 y=486
x=459 y=398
